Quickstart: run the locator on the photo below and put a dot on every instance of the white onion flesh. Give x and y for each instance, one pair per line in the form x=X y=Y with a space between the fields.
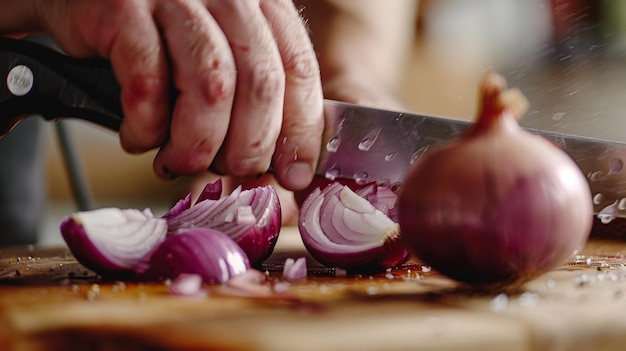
x=112 y=239
x=342 y=229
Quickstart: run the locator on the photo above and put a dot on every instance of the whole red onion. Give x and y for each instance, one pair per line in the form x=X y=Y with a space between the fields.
x=498 y=204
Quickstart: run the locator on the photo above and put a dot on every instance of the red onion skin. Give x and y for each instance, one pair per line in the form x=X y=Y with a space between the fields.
x=180 y=206
x=496 y=205
x=392 y=254
x=211 y=191
x=87 y=253
x=259 y=245
x=208 y=253
x=93 y=249
x=259 y=242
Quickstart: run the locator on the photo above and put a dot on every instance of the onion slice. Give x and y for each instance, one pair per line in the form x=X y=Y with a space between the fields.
x=294 y=270
x=112 y=240
x=250 y=217
x=339 y=228
x=188 y=285
x=206 y=252
x=211 y=191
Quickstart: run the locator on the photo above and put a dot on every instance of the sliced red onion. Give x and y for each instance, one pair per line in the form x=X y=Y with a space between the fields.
x=294 y=270
x=206 y=252
x=189 y=285
x=382 y=198
x=211 y=191
x=250 y=217
x=112 y=240
x=180 y=206
x=342 y=229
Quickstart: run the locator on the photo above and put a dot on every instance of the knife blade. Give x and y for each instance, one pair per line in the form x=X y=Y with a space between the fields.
x=361 y=143
x=368 y=144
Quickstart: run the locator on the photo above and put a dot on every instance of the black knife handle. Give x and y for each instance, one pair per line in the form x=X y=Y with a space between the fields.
x=40 y=80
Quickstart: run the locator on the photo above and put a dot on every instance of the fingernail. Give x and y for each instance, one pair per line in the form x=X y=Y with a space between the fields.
x=299 y=175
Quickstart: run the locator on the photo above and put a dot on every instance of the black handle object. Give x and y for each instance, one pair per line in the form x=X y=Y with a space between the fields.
x=40 y=80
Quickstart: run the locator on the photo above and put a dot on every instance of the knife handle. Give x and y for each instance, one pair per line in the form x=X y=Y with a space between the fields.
x=42 y=81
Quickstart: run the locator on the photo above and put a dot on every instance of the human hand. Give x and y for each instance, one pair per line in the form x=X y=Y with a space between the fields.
x=246 y=76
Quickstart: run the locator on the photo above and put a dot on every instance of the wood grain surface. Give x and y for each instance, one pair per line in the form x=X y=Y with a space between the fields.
x=50 y=302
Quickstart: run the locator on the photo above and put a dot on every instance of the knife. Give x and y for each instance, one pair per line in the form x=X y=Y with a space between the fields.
x=361 y=143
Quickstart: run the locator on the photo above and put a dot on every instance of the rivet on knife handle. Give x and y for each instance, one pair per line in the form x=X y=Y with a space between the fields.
x=42 y=81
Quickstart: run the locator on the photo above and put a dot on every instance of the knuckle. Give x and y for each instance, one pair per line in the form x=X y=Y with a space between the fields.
x=302 y=127
x=302 y=67
x=218 y=83
x=267 y=80
x=144 y=87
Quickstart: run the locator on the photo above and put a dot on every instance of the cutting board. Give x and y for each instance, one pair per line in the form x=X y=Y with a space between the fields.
x=50 y=302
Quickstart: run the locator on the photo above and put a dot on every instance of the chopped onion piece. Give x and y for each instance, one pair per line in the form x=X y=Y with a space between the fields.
x=209 y=253
x=188 y=285
x=294 y=270
x=245 y=215
x=250 y=217
x=112 y=240
x=342 y=229
x=180 y=206
x=211 y=191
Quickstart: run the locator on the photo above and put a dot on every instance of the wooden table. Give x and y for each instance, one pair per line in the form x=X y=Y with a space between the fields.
x=50 y=302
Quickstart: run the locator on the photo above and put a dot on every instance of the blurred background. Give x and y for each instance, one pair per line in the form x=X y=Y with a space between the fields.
x=566 y=56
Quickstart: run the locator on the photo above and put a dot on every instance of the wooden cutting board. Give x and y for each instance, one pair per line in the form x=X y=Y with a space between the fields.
x=50 y=302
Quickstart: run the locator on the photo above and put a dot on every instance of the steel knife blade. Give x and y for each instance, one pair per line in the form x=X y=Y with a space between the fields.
x=368 y=144
x=360 y=143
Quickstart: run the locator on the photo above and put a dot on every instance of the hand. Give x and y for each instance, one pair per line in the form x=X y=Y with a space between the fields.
x=249 y=92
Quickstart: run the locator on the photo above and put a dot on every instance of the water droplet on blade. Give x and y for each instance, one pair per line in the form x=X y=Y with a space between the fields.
x=333 y=144
x=594 y=176
x=369 y=140
x=558 y=116
x=333 y=172
x=360 y=177
x=390 y=156
x=418 y=154
x=608 y=213
x=597 y=198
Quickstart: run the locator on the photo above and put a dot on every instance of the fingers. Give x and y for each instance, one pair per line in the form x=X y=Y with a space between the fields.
x=257 y=111
x=246 y=78
x=298 y=146
x=140 y=65
x=204 y=75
